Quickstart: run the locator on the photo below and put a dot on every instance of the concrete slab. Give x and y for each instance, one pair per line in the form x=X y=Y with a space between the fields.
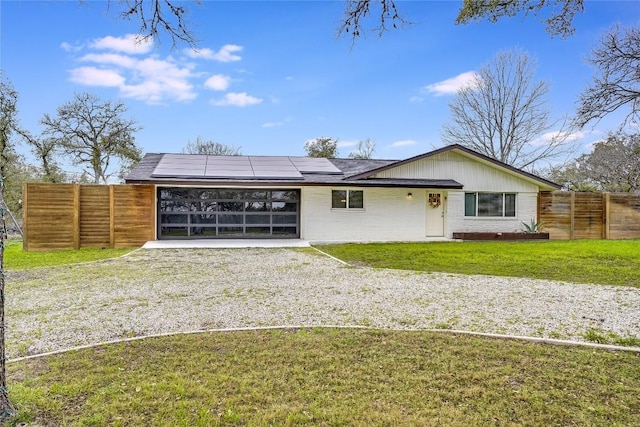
x=226 y=243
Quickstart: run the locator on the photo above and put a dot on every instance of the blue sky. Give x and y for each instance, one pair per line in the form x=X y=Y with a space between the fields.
x=271 y=75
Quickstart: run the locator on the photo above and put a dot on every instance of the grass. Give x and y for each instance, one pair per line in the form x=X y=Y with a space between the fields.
x=328 y=377
x=607 y=262
x=17 y=259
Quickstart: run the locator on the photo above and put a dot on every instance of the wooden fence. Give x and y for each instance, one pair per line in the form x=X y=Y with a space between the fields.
x=570 y=215
x=72 y=216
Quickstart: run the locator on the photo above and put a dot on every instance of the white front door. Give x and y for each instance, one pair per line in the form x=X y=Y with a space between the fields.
x=435 y=213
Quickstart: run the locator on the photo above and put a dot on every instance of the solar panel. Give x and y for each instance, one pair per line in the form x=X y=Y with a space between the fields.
x=314 y=165
x=181 y=165
x=240 y=167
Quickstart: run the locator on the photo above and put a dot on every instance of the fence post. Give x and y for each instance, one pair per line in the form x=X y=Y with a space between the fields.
x=76 y=216
x=572 y=212
x=607 y=213
x=112 y=216
x=25 y=208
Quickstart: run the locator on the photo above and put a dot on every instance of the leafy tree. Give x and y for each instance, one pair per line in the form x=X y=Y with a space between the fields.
x=559 y=14
x=44 y=149
x=614 y=163
x=128 y=163
x=559 y=20
x=93 y=132
x=8 y=123
x=570 y=177
x=503 y=110
x=364 y=150
x=202 y=146
x=617 y=80
x=322 y=147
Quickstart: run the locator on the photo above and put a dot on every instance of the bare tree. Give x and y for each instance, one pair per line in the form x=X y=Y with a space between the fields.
x=202 y=146
x=93 y=132
x=156 y=16
x=8 y=123
x=364 y=150
x=322 y=147
x=617 y=80
x=503 y=114
x=357 y=12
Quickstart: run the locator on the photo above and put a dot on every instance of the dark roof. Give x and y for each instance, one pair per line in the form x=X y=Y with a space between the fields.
x=357 y=172
x=142 y=174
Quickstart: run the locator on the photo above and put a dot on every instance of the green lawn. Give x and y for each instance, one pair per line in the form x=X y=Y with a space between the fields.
x=328 y=377
x=17 y=259
x=342 y=377
x=608 y=262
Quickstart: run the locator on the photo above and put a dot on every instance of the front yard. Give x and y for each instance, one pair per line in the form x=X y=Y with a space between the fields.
x=398 y=374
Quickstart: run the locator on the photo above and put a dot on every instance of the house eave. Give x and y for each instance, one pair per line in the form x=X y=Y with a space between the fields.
x=542 y=183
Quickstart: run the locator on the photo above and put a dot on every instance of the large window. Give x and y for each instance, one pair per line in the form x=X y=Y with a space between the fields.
x=490 y=204
x=227 y=213
x=347 y=199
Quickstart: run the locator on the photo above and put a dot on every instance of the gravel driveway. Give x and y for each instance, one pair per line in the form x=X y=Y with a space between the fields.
x=171 y=290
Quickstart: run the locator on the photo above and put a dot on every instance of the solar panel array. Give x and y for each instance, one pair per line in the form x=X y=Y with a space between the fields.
x=241 y=167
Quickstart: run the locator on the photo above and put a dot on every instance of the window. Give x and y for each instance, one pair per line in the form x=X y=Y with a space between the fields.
x=228 y=213
x=490 y=204
x=347 y=199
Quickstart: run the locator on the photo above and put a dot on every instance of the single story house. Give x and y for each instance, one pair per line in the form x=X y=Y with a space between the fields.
x=429 y=196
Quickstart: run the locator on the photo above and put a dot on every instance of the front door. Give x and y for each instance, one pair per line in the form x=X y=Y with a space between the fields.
x=435 y=214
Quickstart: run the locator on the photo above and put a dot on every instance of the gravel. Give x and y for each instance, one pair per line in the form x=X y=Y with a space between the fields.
x=177 y=290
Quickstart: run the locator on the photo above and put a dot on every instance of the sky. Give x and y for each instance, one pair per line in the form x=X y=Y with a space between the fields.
x=269 y=75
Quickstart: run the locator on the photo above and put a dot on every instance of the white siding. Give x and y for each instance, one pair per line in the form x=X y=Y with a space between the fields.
x=472 y=174
x=387 y=216
x=526 y=209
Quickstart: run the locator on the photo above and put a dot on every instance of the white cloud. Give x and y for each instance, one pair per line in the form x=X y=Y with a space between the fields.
x=347 y=143
x=159 y=80
x=204 y=53
x=237 y=100
x=551 y=136
x=149 y=79
x=403 y=143
x=92 y=76
x=69 y=47
x=452 y=85
x=416 y=99
x=277 y=124
x=110 y=59
x=225 y=54
x=218 y=82
x=130 y=43
x=127 y=64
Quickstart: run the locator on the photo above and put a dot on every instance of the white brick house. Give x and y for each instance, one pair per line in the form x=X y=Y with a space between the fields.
x=430 y=196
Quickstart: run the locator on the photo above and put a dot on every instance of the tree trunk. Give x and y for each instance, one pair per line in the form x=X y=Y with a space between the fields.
x=7 y=410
